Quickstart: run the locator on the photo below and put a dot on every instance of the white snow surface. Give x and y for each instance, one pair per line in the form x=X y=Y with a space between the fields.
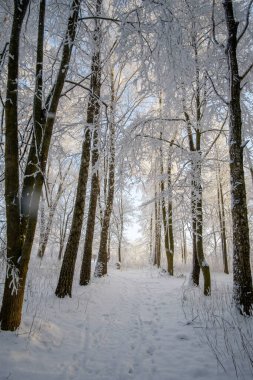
x=129 y=325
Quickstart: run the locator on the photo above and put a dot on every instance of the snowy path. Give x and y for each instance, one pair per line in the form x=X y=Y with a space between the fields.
x=127 y=326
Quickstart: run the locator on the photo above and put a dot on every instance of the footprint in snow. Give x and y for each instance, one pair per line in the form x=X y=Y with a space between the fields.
x=130 y=371
x=150 y=351
x=182 y=337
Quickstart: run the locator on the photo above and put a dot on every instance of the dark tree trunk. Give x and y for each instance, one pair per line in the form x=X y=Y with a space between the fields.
x=157 y=256
x=120 y=228
x=94 y=191
x=198 y=217
x=65 y=282
x=165 y=221
x=199 y=261
x=109 y=246
x=195 y=263
x=42 y=224
x=151 y=238
x=32 y=186
x=101 y=265
x=242 y=292
x=10 y=311
x=38 y=153
x=221 y=212
x=199 y=229
x=184 y=245
x=39 y=179
x=170 y=215
x=33 y=162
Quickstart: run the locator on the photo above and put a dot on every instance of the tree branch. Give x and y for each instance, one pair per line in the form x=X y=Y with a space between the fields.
x=214 y=88
x=161 y=139
x=213 y=28
x=247 y=71
x=246 y=22
x=87 y=89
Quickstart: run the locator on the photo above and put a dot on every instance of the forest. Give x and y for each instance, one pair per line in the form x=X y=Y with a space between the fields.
x=126 y=189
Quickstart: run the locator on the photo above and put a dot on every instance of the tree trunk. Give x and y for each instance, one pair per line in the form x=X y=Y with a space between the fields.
x=199 y=227
x=65 y=281
x=164 y=216
x=109 y=246
x=157 y=256
x=170 y=215
x=195 y=263
x=151 y=238
x=184 y=245
x=121 y=228
x=196 y=193
x=242 y=289
x=38 y=153
x=42 y=225
x=94 y=191
x=11 y=306
x=221 y=212
x=101 y=265
x=39 y=179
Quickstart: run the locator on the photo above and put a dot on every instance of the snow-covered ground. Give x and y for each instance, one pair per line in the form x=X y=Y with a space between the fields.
x=130 y=325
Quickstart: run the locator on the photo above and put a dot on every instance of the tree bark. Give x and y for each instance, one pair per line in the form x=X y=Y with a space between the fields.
x=170 y=215
x=42 y=224
x=221 y=212
x=151 y=238
x=157 y=256
x=199 y=261
x=38 y=153
x=10 y=316
x=94 y=191
x=184 y=245
x=242 y=279
x=164 y=216
x=32 y=186
x=65 y=281
x=101 y=265
x=120 y=228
